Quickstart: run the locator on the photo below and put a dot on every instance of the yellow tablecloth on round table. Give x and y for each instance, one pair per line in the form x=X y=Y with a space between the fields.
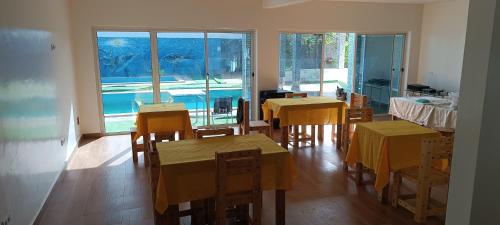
x=387 y=146
x=304 y=111
x=188 y=167
x=163 y=118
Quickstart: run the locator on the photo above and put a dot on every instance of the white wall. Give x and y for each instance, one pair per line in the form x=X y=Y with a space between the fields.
x=31 y=154
x=473 y=196
x=232 y=14
x=442 y=44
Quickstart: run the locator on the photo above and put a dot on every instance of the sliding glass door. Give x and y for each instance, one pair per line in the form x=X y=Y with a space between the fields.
x=379 y=68
x=126 y=76
x=207 y=71
x=229 y=74
x=181 y=62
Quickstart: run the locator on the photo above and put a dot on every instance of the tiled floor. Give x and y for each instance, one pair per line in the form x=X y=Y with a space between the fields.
x=101 y=185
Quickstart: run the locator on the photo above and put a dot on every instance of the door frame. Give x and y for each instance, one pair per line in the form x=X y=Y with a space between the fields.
x=155 y=64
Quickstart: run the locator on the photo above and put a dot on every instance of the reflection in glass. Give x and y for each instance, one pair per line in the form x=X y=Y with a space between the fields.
x=300 y=62
x=379 y=67
x=126 y=76
x=181 y=58
x=338 y=62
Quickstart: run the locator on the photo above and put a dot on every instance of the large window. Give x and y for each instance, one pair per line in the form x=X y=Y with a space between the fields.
x=316 y=63
x=207 y=71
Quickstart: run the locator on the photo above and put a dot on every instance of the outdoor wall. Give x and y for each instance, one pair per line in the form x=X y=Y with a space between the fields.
x=38 y=130
x=315 y=16
x=442 y=44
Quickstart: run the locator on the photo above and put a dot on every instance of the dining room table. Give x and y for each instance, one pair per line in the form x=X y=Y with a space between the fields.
x=188 y=171
x=162 y=118
x=386 y=146
x=314 y=110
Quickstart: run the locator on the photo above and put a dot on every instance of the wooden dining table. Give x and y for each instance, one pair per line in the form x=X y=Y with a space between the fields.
x=319 y=111
x=162 y=118
x=187 y=171
x=387 y=146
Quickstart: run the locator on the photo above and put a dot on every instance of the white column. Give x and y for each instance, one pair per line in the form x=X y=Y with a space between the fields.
x=474 y=196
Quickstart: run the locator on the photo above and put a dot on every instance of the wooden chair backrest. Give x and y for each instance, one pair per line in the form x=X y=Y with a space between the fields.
x=154 y=174
x=355 y=115
x=215 y=132
x=358 y=101
x=245 y=163
x=434 y=149
x=359 y=115
x=246 y=117
x=296 y=95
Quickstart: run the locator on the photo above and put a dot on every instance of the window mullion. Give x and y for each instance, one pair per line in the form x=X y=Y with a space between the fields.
x=155 y=65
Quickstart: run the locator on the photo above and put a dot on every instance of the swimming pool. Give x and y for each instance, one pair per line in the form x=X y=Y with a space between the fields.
x=125 y=103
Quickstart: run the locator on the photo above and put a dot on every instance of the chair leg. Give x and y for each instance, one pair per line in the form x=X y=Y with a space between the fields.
x=295 y=136
x=220 y=217
x=257 y=212
x=421 y=203
x=210 y=211
x=359 y=173
x=395 y=189
x=199 y=212
x=242 y=214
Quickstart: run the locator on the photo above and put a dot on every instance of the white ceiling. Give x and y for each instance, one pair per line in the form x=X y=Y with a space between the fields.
x=281 y=3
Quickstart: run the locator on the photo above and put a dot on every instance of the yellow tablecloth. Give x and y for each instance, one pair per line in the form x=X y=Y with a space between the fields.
x=188 y=167
x=163 y=118
x=304 y=111
x=387 y=146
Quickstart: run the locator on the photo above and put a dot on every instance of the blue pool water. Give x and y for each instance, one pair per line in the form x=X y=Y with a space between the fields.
x=126 y=102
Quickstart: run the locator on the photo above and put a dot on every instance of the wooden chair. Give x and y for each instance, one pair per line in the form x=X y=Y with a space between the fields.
x=353 y=116
x=172 y=215
x=246 y=125
x=244 y=163
x=139 y=146
x=357 y=101
x=213 y=132
x=294 y=134
x=425 y=176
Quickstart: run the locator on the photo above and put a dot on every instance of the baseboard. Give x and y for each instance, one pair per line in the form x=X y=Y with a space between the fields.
x=43 y=207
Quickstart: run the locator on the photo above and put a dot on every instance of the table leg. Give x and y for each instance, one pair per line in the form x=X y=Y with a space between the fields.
x=313 y=135
x=280 y=207
x=146 y=139
x=321 y=131
x=303 y=133
x=271 y=124
x=284 y=137
x=296 y=134
x=383 y=197
x=339 y=127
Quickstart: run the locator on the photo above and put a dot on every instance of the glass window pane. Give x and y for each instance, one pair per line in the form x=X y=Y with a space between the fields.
x=126 y=76
x=181 y=58
x=338 y=63
x=300 y=62
x=230 y=69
